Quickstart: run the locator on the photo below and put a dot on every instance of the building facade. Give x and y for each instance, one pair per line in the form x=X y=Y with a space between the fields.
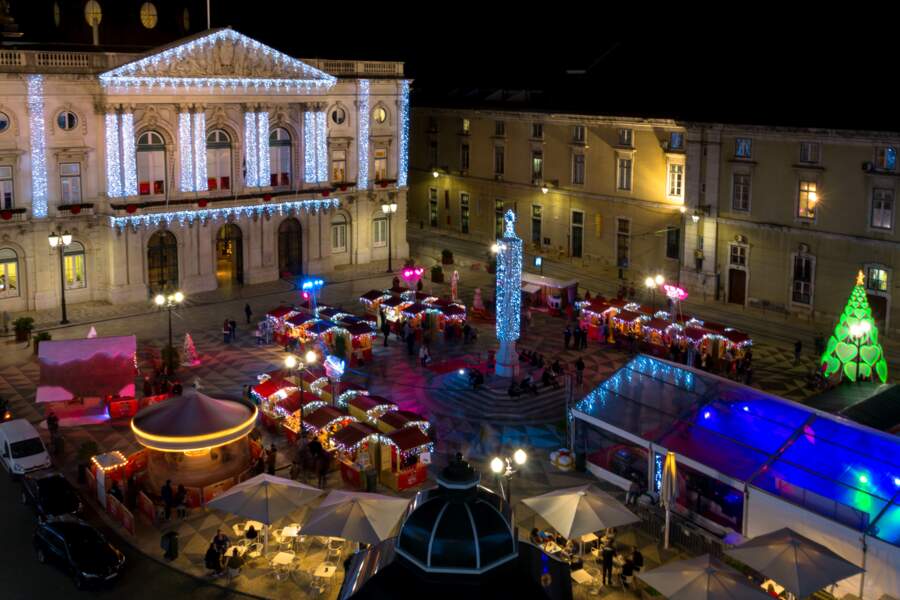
x=597 y=193
x=210 y=162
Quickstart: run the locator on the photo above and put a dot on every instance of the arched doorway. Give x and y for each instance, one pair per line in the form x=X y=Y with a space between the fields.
x=229 y=255
x=290 y=248
x=162 y=262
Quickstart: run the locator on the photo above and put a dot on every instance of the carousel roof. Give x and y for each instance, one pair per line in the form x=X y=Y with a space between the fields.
x=192 y=421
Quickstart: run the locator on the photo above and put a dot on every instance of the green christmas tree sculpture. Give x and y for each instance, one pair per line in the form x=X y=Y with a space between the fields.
x=853 y=349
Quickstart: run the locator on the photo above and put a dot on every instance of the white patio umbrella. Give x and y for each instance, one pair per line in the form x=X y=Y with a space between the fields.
x=797 y=563
x=357 y=516
x=668 y=492
x=579 y=510
x=701 y=578
x=265 y=498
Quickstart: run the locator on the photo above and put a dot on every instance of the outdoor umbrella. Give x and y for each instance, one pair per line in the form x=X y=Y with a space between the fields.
x=576 y=511
x=668 y=491
x=799 y=564
x=265 y=498
x=701 y=578
x=356 y=516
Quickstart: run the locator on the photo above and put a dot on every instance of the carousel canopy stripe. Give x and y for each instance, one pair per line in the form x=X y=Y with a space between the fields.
x=393 y=302
x=409 y=438
x=325 y=415
x=660 y=324
x=628 y=316
x=300 y=319
x=372 y=295
x=272 y=385
x=353 y=434
x=414 y=309
x=192 y=421
x=280 y=312
x=362 y=328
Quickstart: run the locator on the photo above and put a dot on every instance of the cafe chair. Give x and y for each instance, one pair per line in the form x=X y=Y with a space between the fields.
x=254 y=551
x=238 y=529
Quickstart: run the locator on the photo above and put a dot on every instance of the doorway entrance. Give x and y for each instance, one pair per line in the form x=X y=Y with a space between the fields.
x=878 y=304
x=737 y=286
x=162 y=262
x=229 y=255
x=290 y=248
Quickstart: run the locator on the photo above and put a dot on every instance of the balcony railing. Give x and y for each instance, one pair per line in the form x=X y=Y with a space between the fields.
x=51 y=61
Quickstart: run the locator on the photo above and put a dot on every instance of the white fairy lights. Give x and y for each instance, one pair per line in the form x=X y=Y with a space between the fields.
x=309 y=147
x=403 y=148
x=321 y=147
x=200 y=182
x=509 y=281
x=362 y=141
x=300 y=76
x=262 y=130
x=129 y=158
x=251 y=155
x=186 y=151
x=38 y=146
x=113 y=152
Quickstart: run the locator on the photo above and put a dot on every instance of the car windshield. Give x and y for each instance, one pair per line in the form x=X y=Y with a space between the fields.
x=86 y=543
x=26 y=448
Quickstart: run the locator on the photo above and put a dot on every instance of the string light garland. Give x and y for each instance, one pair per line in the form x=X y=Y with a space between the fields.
x=509 y=281
x=309 y=147
x=186 y=152
x=362 y=142
x=200 y=181
x=403 y=148
x=262 y=147
x=306 y=78
x=113 y=164
x=129 y=157
x=321 y=147
x=212 y=214
x=251 y=154
x=38 y=145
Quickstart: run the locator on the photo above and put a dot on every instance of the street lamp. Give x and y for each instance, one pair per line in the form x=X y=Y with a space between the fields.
x=61 y=241
x=169 y=301
x=291 y=363
x=652 y=283
x=389 y=209
x=858 y=331
x=503 y=467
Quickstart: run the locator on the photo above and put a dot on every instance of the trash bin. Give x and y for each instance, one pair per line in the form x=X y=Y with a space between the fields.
x=370 y=479
x=169 y=544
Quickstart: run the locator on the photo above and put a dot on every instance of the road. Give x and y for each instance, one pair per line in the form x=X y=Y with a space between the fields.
x=24 y=578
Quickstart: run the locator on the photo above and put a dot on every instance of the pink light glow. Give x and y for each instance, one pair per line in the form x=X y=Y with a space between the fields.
x=412 y=274
x=675 y=293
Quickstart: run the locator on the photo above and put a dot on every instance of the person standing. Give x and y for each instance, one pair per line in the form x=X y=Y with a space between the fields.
x=323 y=463
x=579 y=371
x=232 y=325
x=385 y=329
x=798 y=348
x=226 y=331
x=584 y=336
x=410 y=342
x=181 y=501
x=576 y=337
x=607 y=554
x=168 y=498
x=271 y=455
x=248 y=312
x=567 y=337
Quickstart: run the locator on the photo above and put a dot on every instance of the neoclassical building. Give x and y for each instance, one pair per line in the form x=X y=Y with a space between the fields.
x=210 y=162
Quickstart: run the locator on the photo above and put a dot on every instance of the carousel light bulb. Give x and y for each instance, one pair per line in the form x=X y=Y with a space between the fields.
x=497 y=465
x=520 y=457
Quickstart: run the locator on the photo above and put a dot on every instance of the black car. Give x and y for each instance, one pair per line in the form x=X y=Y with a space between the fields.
x=79 y=549
x=51 y=495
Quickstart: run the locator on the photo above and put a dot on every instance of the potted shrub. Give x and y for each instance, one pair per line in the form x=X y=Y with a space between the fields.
x=40 y=337
x=446 y=257
x=437 y=274
x=86 y=450
x=23 y=326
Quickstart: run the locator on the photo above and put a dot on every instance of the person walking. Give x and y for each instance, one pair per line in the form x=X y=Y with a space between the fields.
x=584 y=336
x=579 y=371
x=410 y=342
x=424 y=356
x=576 y=337
x=385 y=329
x=232 y=324
x=226 y=331
x=567 y=337
x=248 y=312
x=271 y=455
x=798 y=348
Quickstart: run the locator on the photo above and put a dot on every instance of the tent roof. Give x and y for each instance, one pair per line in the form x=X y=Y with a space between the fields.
x=373 y=295
x=325 y=415
x=399 y=418
x=353 y=434
x=408 y=438
x=300 y=319
x=280 y=312
x=272 y=385
x=364 y=402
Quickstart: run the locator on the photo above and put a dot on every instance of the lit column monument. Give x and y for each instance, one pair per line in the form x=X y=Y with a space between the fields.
x=509 y=296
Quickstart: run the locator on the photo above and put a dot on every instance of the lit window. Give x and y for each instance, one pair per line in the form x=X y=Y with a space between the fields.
x=877 y=279
x=676 y=180
x=338 y=237
x=738 y=256
x=464 y=212
x=338 y=115
x=578 y=134
x=151 y=164
x=537 y=130
x=740 y=191
x=537 y=167
x=742 y=147
x=279 y=157
x=806 y=205
x=578 y=169
x=148 y=15
x=379 y=232
x=70 y=183
x=379 y=163
x=623 y=177
x=338 y=165
x=676 y=140
x=801 y=291
x=6 y=188
x=882 y=209
x=809 y=152
x=73 y=259
x=218 y=160
x=466 y=125
x=4 y=122
x=886 y=158
x=379 y=115
x=9 y=273
x=626 y=137
x=66 y=120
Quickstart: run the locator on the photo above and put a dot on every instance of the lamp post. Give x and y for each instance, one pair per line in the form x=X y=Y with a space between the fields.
x=652 y=283
x=503 y=467
x=169 y=301
x=858 y=331
x=61 y=241
x=292 y=363
x=389 y=209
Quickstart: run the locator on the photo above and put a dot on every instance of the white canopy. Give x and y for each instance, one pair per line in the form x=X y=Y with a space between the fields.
x=580 y=510
x=356 y=516
x=700 y=578
x=265 y=498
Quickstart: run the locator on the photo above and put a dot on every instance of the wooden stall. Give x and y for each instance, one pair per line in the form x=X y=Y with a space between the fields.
x=357 y=449
x=325 y=422
x=554 y=294
x=405 y=456
x=368 y=409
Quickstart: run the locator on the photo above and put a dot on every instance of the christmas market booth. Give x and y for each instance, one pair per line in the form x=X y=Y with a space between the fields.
x=372 y=300
x=276 y=396
x=361 y=337
x=296 y=327
x=405 y=456
x=325 y=422
x=276 y=320
x=394 y=420
x=357 y=447
x=368 y=409
x=393 y=311
x=196 y=441
x=554 y=294
x=87 y=381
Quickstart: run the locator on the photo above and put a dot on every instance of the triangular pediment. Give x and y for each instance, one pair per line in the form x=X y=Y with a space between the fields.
x=221 y=57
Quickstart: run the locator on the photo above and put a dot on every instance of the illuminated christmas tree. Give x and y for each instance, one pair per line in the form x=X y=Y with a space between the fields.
x=853 y=349
x=190 y=351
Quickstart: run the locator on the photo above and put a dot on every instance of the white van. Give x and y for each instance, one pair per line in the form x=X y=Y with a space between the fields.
x=21 y=448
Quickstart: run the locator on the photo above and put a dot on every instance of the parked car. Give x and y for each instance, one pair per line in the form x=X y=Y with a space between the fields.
x=50 y=494
x=79 y=549
x=21 y=448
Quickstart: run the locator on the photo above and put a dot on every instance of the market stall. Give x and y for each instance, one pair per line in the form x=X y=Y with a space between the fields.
x=405 y=456
x=452 y=316
x=401 y=419
x=361 y=336
x=555 y=294
x=423 y=297
x=324 y=422
x=295 y=327
x=594 y=314
x=393 y=308
x=274 y=396
x=368 y=409
x=276 y=322
x=357 y=447
x=414 y=314
x=372 y=300
x=329 y=313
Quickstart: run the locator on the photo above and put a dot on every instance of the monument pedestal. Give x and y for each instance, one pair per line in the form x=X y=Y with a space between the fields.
x=507 y=360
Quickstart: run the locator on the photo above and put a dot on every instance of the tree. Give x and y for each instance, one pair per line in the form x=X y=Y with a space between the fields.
x=190 y=351
x=854 y=344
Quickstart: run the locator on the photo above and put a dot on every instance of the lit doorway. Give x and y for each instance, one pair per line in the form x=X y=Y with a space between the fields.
x=229 y=255
x=290 y=248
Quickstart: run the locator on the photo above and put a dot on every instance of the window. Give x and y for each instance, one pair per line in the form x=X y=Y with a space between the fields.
x=673 y=242
x=6 y=188
x=433 y=207
x=578 y=168
x=578 y=134
x=498 y=218
x=339 y=237
x=70 y=183
x=623 y=177
x=676 y=180
x=877 y=279
x=9 y=273
x=742 y=147
x=4 y=122
x=882 y=208
x=464 y=157
x=379 y=115
x=279 y=157
x=537 y=167
x=218 y=161
x=626 y=137
x=380 y=164
x=464 y=212
x=465 y=125
x=148 y=15
x=536 y=220
x=499 y=128
x=338 y=115
x=676 y=140
x=806 y=207
x=738 y=256
x=801 y=289
x=740 y=191
x=499 y=158
x=73 y=260
x=623 y=243
x=379 y=232
x=886 y=158
x=809 y=152
x=151 y=164
x=537 y=131
x=433 y=151
x=577 y=234
x=67 y=120
x=338 y=165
